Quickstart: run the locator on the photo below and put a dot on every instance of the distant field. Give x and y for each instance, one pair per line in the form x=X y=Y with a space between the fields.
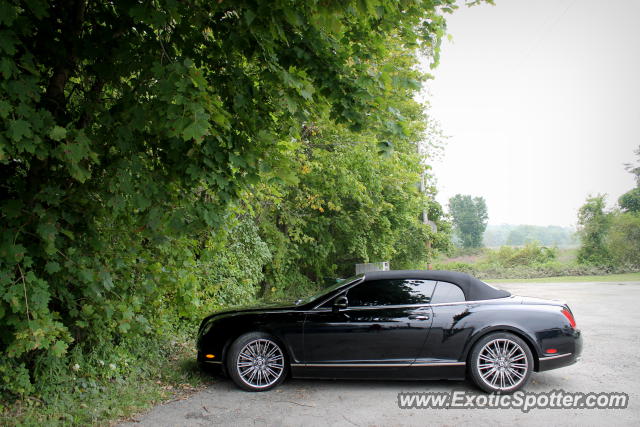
x=627 y=277
x=565 y=256
x=531 y=263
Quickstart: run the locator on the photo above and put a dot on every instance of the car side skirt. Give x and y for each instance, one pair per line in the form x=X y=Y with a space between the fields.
x=419 y=370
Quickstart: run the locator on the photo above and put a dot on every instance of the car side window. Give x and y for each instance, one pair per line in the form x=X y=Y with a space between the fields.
x=447 y=292
x=391 y=292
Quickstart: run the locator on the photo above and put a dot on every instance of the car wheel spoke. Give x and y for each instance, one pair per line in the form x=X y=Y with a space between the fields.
x=516 y=373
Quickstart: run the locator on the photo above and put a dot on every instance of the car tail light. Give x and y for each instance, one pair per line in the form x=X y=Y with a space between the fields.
x=567 y=313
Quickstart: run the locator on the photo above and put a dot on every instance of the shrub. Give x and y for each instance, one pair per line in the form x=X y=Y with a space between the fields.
x=623 y=239
x=529 y=255
x=531 y=261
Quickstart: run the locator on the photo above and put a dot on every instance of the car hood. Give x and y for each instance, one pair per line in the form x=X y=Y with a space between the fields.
x=270 y=306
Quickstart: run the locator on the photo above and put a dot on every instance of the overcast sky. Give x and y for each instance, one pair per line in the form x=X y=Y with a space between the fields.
x=541 y=103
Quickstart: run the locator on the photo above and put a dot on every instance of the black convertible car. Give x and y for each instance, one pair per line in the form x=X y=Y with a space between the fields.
x=396 y=325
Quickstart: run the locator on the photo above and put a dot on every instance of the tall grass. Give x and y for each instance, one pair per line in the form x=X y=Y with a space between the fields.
x=530 y=261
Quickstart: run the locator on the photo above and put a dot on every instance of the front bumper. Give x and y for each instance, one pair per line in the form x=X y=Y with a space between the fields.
x=210 y=366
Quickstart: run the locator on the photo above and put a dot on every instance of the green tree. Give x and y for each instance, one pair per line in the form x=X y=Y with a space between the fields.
x=593 y=226
x=612 y=238
x=623 y=239
x=349 y=205
x=469 y=219
x=130 y=133
x=630 y=201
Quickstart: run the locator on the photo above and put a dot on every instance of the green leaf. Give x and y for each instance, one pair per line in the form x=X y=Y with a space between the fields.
x=107 y=281
x=293 y=17
x=5 y=108
x=307 y=92
x=58 y=133
x=8 y=42
x=59 y=348
x=7 y=67
x=52 y=267
x=195 y=130
x=124 y=327
x=292 y=105
x=19 y=129
x=249 y=16
x=68 y=233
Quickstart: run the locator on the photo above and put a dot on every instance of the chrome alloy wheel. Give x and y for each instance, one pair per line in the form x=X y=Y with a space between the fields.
x=260 y=363
x=502 y=364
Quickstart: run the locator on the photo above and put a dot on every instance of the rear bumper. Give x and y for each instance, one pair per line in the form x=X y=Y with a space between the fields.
x=555 y=361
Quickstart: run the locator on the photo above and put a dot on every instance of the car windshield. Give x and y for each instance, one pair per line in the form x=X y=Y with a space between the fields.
x=325 y=291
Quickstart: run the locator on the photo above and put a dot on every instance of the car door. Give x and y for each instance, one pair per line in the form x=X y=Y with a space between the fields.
x=449 y=331
x=386 y=322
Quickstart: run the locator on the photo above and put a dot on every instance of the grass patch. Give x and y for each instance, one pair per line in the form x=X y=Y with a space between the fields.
x=84 y=401
x=625 y=277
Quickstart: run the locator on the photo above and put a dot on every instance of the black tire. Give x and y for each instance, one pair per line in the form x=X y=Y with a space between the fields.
x=508 y=371
x=257 y=362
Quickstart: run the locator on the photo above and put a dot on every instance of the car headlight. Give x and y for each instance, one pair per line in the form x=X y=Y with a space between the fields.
x=206 y=328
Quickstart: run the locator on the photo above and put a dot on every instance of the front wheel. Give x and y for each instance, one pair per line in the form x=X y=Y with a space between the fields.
x=501 y=363
x=256 y=362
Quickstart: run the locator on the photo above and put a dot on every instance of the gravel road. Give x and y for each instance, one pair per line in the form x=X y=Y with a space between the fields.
x=607 y=313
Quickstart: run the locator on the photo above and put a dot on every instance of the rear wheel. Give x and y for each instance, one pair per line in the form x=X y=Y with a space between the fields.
x=501 y=363
x=256 y=362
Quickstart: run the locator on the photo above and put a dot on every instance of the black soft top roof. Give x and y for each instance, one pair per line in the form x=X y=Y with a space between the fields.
x=474 y=289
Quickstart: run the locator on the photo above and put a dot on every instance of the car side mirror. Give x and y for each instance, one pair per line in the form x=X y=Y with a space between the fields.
x=340 y=302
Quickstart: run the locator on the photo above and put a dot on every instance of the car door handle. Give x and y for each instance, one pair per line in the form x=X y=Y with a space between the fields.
x=419 y=317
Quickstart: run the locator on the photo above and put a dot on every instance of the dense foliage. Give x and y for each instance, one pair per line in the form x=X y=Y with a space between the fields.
x=611 y=238
x=162 y=158
x=470 y=218
x=594 y=225
x=350 y=205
